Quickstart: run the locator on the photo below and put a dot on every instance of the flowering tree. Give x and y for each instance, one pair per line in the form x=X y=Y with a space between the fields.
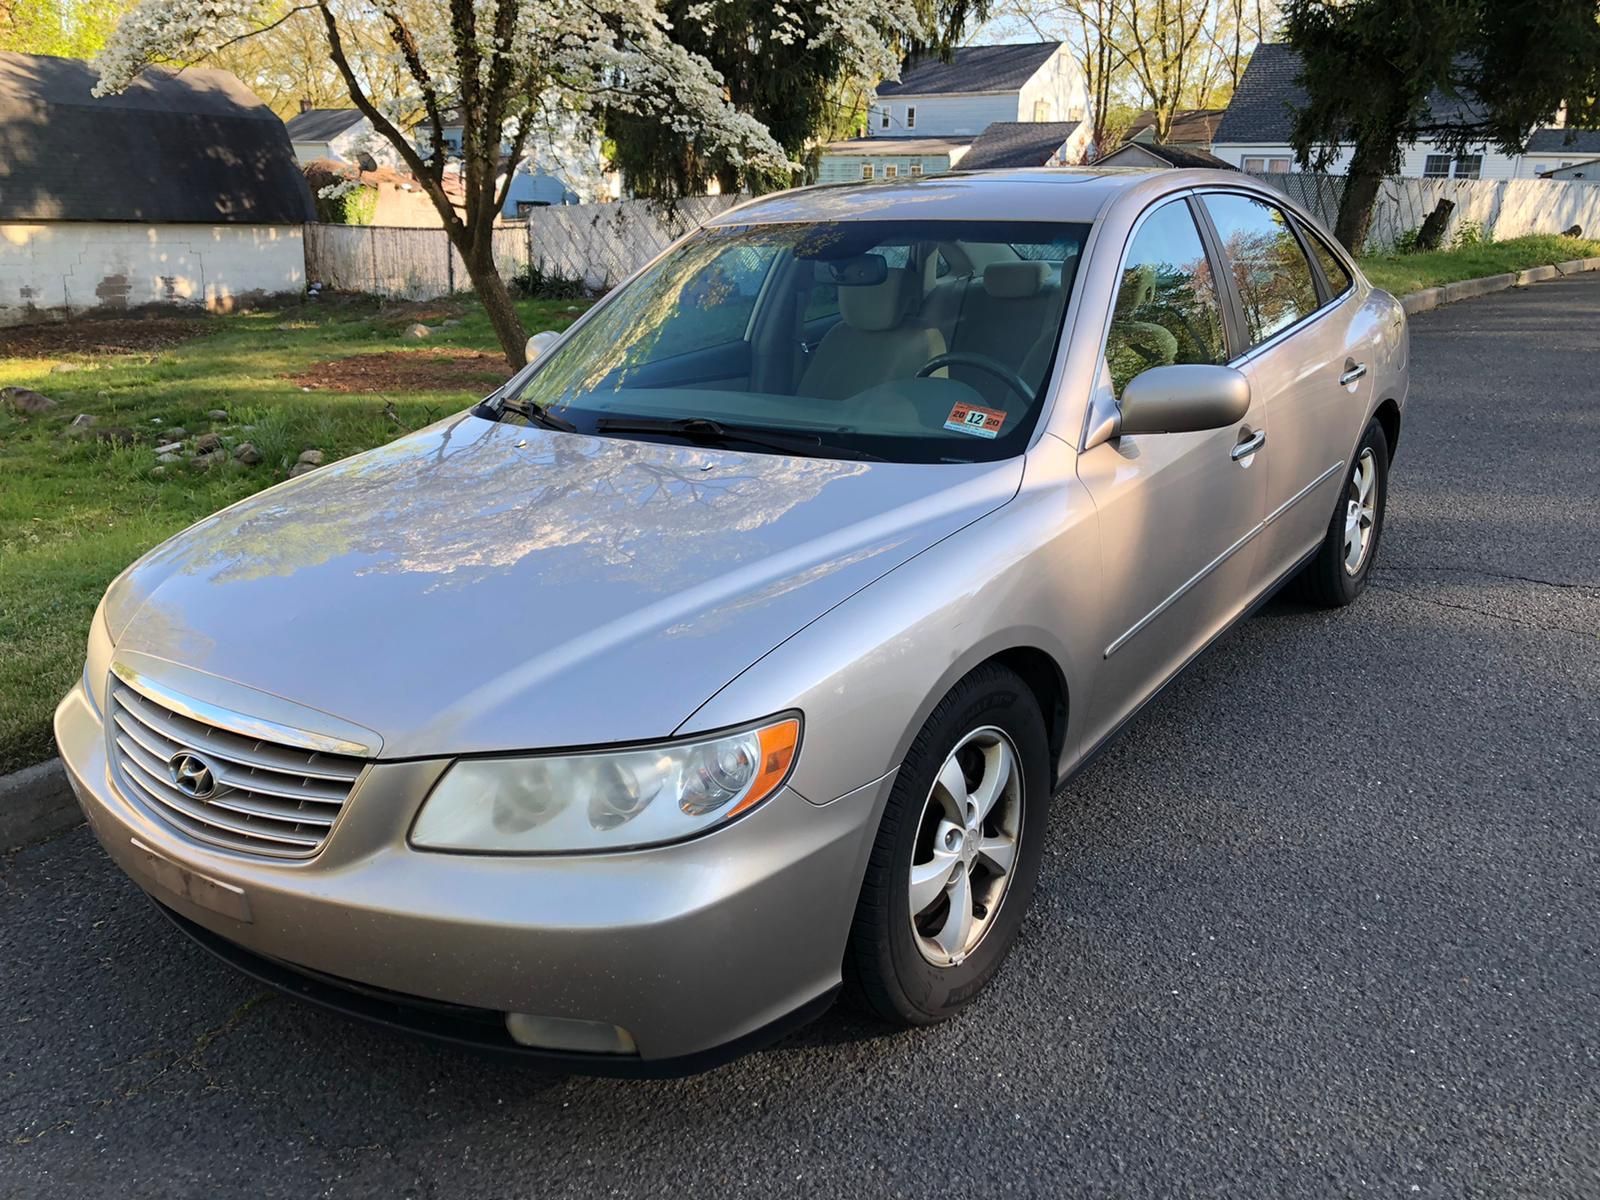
x=515 y=69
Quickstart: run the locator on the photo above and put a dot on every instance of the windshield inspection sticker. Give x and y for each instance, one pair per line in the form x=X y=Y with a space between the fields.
x=980 y=422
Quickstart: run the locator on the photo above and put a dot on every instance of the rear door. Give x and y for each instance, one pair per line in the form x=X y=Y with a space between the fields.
x=1305 y=363
x=1179 y=512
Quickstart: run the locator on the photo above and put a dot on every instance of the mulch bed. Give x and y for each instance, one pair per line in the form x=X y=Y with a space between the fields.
x=407 y=371
x=91 y=337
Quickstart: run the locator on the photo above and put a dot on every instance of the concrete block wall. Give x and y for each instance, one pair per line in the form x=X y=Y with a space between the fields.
x=65 y=268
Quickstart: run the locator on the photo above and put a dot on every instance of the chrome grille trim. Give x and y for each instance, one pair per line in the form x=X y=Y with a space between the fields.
x=271 y=799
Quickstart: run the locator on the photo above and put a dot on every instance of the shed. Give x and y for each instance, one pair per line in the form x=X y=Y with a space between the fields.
x=183 y=190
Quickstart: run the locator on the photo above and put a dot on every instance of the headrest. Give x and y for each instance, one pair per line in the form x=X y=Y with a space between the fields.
x=1015 y=280
x=875 y=307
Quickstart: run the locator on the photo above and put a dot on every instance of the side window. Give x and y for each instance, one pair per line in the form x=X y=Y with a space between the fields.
x=1270 y=270
x=1167 y=309
x=1333 y=271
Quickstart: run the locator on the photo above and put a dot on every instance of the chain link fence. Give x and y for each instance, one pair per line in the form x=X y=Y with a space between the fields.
x=600 y=244
x=1499 y=208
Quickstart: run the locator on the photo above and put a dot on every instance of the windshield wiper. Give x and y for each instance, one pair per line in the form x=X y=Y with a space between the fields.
x=536 y=414
x=714 y=433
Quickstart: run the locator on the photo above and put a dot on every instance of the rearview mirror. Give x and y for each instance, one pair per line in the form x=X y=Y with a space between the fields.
x=539 y=343
x=1183 y=398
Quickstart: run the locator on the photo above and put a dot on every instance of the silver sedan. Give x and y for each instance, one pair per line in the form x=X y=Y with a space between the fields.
x=730 y=655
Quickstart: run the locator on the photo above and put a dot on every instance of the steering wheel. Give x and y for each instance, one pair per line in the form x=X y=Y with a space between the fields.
x=981 y=363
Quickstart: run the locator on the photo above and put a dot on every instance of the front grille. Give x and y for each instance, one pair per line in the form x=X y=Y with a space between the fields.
x=267 y=798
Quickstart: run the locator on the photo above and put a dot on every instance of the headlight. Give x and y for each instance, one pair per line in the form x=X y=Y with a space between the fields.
x=606 y=800
x=97 y=662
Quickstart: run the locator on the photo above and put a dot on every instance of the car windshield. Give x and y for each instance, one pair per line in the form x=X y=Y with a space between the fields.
x=914 y=341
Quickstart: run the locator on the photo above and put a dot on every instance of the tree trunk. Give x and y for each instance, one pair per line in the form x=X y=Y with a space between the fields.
x=1368 y=166
x=496 y=300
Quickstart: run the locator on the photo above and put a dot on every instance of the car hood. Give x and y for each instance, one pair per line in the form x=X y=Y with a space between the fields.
x=478 y=586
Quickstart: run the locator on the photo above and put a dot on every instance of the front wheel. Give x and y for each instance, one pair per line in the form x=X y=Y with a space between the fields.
x=957 y=853
x=1338 y=573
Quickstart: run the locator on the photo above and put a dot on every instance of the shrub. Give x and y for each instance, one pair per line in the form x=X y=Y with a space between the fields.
x=539 y=283
x=1468 y=233
x=1406 y=243
x=347 y=203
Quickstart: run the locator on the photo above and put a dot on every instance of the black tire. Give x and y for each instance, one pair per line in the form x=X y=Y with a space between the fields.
x=885 y=971
x=1325 y=581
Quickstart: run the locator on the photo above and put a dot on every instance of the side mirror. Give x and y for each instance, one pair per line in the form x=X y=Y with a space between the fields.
x=1183 y=398
x=539 y=343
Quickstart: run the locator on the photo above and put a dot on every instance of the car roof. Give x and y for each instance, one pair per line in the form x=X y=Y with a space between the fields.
x=1029 y=194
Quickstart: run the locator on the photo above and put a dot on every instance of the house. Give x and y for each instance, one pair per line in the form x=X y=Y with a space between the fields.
x=1558 y=153
x=1012 y=106
x=1588 y=172
x=182 y=190
x=576 y=174
x=1161 y=154
x=1254 y=134
x=338 y=134
x=1191 y=128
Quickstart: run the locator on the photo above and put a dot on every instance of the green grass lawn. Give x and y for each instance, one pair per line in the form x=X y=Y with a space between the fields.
x=74 y=511
x=1403 y=273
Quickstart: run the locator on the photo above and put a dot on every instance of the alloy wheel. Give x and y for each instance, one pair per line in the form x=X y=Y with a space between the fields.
x=1360 y=511
x=966 y=847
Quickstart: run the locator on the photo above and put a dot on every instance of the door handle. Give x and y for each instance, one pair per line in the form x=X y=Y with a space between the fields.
x=1352 y=372
x=1249 y=443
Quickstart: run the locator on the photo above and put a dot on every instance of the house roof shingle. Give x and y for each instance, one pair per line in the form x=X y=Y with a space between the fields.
x=192 y=146
x=1190 y=126
x=1016 y=144
x=1263 y=106
x=972 y=69
x=321 y=124
x=1565 y=141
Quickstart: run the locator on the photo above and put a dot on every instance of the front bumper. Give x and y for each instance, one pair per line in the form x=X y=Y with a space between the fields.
x=691 y=948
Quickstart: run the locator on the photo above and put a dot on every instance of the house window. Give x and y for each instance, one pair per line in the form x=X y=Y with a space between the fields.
x=916 y=166
x=911 y=116
x=883 y=117
x=1436 y=166
x=1469 y=166
x=1041 y=110
x=866 y=171
x=1278 y=166
x=890 y=171
x=1254 y=166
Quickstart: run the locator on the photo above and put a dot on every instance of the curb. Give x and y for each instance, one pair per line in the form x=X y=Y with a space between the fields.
x=1466 y=289
x=36 y=803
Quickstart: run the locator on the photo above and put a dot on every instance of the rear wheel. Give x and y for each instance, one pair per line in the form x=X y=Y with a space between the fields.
x=957 y=853
x=1338 y=573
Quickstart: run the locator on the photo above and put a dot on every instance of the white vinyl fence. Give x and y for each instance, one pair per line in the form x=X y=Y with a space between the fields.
x=1501 y=208
x=602 y=244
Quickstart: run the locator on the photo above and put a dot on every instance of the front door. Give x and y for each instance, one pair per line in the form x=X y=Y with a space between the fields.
x=1178 y=511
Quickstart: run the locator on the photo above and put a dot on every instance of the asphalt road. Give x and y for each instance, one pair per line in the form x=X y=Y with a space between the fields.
x=1324 y=923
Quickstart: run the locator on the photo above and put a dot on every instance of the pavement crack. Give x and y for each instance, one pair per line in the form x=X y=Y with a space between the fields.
x=1454 y=570
x=1482 y=612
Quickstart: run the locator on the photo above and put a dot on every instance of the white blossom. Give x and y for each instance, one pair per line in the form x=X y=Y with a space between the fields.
x=587 y=54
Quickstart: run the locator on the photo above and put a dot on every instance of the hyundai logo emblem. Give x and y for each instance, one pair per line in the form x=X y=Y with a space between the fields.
x=192 y=775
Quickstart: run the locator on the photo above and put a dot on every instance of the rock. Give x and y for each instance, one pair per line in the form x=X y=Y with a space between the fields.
x=302 y=468
x=204 y=462
x=158 y=470
x=217 y=414
x=116 y=434
x=26 y=402
x=207 y=442
x=310 y=458
x=168 y=457
x=246 y=453
x=177 y=433
x=81 y=424
x=169 y=448
x=416 y=332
